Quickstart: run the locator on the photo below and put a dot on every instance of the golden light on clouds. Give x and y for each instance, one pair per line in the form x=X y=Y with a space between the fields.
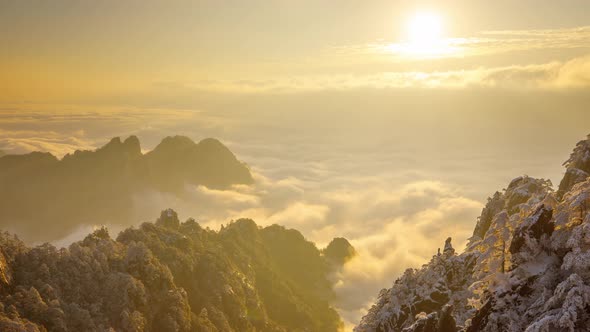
x=424 y=38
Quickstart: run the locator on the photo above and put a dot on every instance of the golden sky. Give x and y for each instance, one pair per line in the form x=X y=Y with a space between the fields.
x=107 y=50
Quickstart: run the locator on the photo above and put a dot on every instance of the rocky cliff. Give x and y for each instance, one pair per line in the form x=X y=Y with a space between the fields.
x=526 y=268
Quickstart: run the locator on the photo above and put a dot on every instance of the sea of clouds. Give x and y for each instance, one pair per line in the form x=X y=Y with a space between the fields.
x=393 y=172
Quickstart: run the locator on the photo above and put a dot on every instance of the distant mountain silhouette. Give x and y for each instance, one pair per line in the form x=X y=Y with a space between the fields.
x=169 y=276
x=44 y=198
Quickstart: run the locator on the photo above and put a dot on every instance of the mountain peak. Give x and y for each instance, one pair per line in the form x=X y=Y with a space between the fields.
x=131 y=146
x=179 y=160
x=519 y=191
x=339 y=251
x=212 y=143
x=169 y=219
x=577 y=167
x=115 y=141
x=99 y=185
x=174 y=143
x=243 y=226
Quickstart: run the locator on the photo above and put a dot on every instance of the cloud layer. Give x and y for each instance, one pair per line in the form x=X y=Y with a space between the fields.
x=555 y=75
x=391 y=228
x=395 y=180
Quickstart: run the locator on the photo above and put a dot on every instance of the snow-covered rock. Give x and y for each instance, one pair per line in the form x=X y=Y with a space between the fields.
x=577 y=167
x=526 y=268
x=444 y=281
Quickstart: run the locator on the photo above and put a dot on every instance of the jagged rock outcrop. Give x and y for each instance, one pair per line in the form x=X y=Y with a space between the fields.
x=44 y=198
x=519 y=191
x=169 y=276
x=417 y=300
x=339 y=251
x=538 y=227
x=448 y=249
x=526 y=268
x=577 y=167
x=178 y=160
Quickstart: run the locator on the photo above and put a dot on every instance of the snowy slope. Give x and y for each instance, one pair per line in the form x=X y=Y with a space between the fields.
x=526 y=268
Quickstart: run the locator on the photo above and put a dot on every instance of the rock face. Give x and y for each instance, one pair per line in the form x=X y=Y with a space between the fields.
x=339 y=251
x=178 y=160
x=537 y=227
x=526 y=268
x=448 y=250
x=423 y=299
x=168 y=276
x=577 y=167
x=98 y=186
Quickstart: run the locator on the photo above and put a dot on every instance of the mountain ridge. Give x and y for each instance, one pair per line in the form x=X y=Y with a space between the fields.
x=98 y=186
x=524 y=269
x=169 y=276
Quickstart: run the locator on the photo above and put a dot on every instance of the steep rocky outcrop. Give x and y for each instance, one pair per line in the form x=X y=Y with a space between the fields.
x=577 y=167
x=178 y=160
x=526 y=268
x=168 y=276
x=45 y=198
x=339 y=251
x=421 y=298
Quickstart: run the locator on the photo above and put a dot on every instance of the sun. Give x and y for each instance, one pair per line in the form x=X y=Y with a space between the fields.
x=424 y=27
x=424 y=36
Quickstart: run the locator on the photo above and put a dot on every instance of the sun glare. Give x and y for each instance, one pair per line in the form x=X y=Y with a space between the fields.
x=423 y=37
x=424 y=28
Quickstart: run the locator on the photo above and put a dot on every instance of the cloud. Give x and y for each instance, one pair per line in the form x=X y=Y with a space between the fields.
x=62 y=129
x=483 y=44
x=506 y=59
x=392 y=228
x=575 y=73
x=543 y=38
x=24 y=141
x=392 y=171
x=301 y=214
x=406 y=237
x=392 y=65
x=555 y=75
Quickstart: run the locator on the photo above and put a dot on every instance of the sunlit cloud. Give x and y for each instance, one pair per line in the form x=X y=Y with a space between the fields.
x=553 y=75
x=484 y=43
x=62 y=129
x=392 y=228
x=395 y=199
